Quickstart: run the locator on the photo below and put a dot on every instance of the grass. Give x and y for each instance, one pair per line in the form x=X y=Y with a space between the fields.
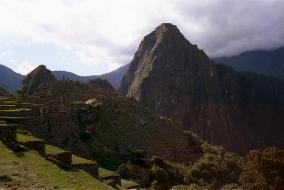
x=7 y=105
x=31 y=171
x=10 y=102
x=127 y=183
x=52 y=150
x=106 y=173
x=26 y=138
x=9 y=125
x=7 y=98
x=80 y=160
x=8 y=117
x=16 y=110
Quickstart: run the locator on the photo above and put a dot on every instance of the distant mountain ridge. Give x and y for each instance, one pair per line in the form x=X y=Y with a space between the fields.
x=114 y=77
x=11 y=81
x=266 y=62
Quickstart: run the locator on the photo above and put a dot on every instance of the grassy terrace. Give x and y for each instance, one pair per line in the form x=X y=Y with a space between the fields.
x=16 y=110
x=26 y=138
x=128 y=184
x=9 y=102
x=16 y=118
x=80 y=160
x=31 y=171
x=8 y=106
x=52 y=150
x=106 y=173
x=8 y=125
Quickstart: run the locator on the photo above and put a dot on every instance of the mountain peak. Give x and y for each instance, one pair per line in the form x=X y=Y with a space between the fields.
x=35 y=78
x=166 y=32
x=166 y=27
x=162 y=51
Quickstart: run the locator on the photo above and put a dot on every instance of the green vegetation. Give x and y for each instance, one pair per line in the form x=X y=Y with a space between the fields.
x=215 y=168
x=106 y=173
x=16 y=110
x=80 y=160
x=264 y=169
x=31 y=171
x=52 y=150
x=26 y=138
x=127 y=184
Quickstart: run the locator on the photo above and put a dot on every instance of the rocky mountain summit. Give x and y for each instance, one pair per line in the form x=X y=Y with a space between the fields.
x=35 y=78
x=239 y=111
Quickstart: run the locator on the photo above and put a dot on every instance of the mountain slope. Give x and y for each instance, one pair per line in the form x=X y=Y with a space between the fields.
x=170 y=75
x=9 y=79
x=270 y=63
x=114 y=77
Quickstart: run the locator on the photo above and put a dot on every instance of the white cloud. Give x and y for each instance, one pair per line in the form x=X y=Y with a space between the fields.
x=24 y=68
x=109 y=31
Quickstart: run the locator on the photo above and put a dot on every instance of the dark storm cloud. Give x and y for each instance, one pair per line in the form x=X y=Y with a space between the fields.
x=229 y=27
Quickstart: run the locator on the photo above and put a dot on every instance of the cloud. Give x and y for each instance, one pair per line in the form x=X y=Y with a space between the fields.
x=108 y=32
x=24 y=68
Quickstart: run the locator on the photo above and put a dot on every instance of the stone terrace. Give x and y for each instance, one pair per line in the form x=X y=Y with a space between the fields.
x=16 y=112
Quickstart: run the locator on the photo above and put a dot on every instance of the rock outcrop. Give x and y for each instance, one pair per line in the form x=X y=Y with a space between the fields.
x=170 y=75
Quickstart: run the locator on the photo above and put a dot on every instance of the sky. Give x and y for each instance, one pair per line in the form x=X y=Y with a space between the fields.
x=90 y=37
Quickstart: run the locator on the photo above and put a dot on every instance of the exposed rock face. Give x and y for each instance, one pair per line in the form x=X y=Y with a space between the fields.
x=237 y=110
x=35 y=78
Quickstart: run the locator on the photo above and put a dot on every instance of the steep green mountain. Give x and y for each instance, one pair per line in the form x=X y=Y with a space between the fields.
x=9 y=79
x=270 y=62
x=239 y=111
x=35 y=78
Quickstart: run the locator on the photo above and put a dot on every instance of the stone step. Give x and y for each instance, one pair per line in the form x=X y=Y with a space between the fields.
x=26 y=105
x=15 y=120
x=8 y=132
x=126 y=184
x=108 y=176
x=18 y=112
x=87 y=165
x=65 y=157
x=14 y=102
x=7 y=99
x=31 y=142
x=7 y=107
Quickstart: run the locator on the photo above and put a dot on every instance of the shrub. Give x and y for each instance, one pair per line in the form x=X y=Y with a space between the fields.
x=264 y=169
